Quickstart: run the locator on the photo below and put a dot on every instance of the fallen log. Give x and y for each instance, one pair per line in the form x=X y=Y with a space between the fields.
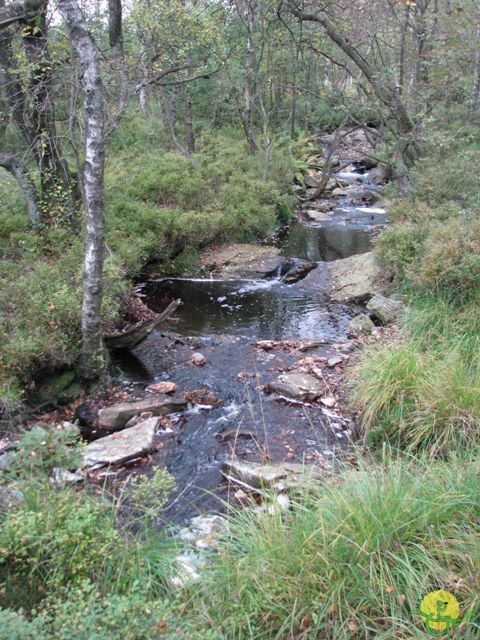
x=135 y=334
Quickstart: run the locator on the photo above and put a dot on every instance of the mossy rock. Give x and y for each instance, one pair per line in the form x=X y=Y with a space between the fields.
x=55 y=388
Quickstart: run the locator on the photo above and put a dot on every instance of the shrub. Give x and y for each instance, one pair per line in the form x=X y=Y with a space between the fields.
x=85 y=615
x=56 y=537
x=423 y=392
x=399 y=247
x=40 y=450
x=53 y=541
x=450 y=262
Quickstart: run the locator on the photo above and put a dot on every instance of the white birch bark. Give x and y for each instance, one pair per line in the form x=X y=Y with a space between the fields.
x=93 y=361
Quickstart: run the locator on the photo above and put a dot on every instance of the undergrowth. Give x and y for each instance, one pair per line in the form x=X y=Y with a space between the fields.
x=423 y=391
x=352 y=561
x=160 y=205
x=58 y=541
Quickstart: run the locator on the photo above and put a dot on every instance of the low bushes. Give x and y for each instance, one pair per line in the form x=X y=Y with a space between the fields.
x=159 y=204
x=56 y=540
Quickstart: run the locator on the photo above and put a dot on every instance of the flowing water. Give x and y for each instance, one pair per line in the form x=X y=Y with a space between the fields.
x=223 y=319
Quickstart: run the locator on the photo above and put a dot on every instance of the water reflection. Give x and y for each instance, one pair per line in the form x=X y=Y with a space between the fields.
x=263 y=309
x=326 y=243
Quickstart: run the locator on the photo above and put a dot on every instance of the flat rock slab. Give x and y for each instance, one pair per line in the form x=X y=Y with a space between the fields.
x=386 y=309
x=356 y=278
x=317 y=215
x=232 y=261
x=120 y=447
x=279 y=477
x=116 y=416
x=317 y=280
x=299 y=386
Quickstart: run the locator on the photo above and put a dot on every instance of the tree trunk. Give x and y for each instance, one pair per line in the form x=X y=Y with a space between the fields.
x=169 y=121
x=59 y=192
x=421 y=72
x=403 y=39
x=93 y=357
x=115 y=36
x=142 y=94
x=249 y=83
x=20 y=173
x=476 y=69
x=33 y=112
x=187 y=119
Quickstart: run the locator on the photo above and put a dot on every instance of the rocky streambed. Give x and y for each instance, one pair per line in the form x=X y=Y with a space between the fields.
x=248 y=381
x=244 y=390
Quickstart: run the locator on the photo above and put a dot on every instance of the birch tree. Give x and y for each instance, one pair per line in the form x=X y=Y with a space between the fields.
x=93 y=360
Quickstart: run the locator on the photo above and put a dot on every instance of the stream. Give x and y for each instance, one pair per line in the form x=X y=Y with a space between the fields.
x=223 y=319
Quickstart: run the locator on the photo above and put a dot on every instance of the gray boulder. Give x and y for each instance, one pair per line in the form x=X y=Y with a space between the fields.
x=311 y=180
x=298 y=271
x=299 y=386
x=117 y=416
x=360 y=326
x=278 y=477
x=386 y=309
x=317 y=215
x=10 y=497
x=339 y=192
x=6 y=460
x=355 y=278
x=368 y=196
x=379 y=175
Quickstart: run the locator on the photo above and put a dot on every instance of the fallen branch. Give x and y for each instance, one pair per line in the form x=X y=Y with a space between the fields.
x=134 y=335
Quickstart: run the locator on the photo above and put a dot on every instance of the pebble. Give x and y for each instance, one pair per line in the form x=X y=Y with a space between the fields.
x=332 y=362
x=198 y=359
x=328 y=401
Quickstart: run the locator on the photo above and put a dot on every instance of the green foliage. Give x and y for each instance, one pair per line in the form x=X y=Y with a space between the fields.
x=159 y=204
x=170 y=180
x=434 y=245
x=450 y=262
x=40 y=450
x=423 y=391
x=55 y=540
x=399 y=246
x=15 y=626
x=58 y=539
x=105 y=618
x=148 y=495
x=352 y=563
